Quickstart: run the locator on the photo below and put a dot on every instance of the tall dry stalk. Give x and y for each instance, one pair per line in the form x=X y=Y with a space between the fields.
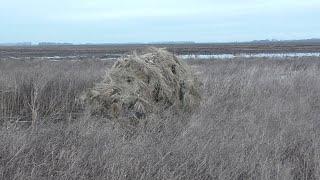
x=34 y=107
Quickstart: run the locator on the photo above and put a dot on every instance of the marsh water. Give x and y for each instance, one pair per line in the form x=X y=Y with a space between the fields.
x=111 y=57
x=259 y=55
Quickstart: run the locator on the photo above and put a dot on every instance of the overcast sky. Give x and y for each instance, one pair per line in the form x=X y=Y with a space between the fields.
x=121 y=21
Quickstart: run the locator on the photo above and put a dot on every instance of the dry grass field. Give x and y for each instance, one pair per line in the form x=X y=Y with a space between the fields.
x=258 y=119
x=100 y=51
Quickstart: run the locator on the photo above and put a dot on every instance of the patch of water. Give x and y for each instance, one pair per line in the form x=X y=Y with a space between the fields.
x=259 y=55
x=113 y=57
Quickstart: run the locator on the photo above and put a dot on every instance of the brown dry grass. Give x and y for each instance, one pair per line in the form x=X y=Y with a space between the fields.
x=258 y=120
x=139 y=85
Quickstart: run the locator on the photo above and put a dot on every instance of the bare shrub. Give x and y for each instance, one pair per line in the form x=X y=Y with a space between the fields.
x=142 y=84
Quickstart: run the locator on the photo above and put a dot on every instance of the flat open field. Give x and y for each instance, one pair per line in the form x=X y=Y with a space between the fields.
x=258 y=119
x=100 y=51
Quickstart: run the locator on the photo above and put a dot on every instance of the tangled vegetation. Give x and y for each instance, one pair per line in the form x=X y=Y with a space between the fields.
x=258 y=119
x=149 y=83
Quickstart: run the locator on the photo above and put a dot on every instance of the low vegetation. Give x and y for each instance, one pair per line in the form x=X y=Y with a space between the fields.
x=258 y=119
x=144 y=84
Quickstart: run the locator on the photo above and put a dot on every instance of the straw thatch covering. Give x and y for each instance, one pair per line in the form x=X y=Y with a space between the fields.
x=142 y=84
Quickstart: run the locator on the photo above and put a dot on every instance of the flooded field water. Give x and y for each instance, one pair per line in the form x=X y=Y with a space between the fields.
x=260 y=55
x=112 y=57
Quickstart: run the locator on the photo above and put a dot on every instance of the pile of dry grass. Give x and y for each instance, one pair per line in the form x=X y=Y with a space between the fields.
x=151 y=82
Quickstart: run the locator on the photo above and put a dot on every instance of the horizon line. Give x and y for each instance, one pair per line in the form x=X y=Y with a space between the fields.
x=43 y=43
